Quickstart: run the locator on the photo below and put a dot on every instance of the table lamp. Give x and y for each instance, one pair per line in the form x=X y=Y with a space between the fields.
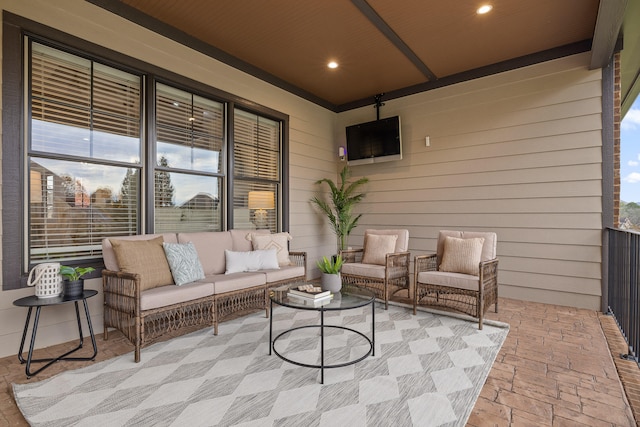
x=260 y=201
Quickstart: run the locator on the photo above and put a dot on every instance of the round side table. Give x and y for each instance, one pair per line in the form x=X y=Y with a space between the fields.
x=38 y=303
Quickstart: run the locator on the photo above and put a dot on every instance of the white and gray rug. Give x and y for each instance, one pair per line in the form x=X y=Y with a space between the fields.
x=428 y=370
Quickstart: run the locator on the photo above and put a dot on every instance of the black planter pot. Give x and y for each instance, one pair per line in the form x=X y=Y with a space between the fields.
x=73 y=288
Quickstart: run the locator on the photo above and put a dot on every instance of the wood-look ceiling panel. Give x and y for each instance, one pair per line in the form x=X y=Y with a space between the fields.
x=449 y=37
x=294 y=40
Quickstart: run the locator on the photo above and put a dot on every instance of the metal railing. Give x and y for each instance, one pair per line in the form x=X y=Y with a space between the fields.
x=623 y=284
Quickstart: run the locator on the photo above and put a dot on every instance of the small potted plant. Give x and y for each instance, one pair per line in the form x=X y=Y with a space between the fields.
x=330 y=268
x=73 y=283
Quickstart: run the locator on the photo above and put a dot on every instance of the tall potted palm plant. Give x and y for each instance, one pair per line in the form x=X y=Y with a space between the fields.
x=339 y=210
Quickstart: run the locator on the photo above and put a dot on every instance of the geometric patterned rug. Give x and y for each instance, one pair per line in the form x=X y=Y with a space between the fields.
x=428 y=370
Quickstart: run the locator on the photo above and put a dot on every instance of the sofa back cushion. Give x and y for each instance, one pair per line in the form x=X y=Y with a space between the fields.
x=240 y=241
x=210 y=246
x=146 y=258
x=110 y=261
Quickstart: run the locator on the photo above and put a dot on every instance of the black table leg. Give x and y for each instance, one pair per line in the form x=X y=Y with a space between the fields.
x=270 y=326
x=321 y=345
x=93 y=337
x=51 y=361
x=79 y=323
x=27 y=369
x=24 y=336
x=373 y=328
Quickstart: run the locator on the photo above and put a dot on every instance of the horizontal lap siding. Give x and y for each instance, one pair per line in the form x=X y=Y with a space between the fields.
x=311 y=142
x=517 y=153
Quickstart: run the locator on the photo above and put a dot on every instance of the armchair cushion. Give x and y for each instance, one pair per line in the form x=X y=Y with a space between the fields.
x=451 y=280
x=377 y=246
x=365 y=270
x=488 y=248
x=402 y=243
x=461 y=255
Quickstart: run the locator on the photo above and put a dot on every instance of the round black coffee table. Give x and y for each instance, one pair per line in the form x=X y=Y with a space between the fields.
x=38 y=303
x=350 y=297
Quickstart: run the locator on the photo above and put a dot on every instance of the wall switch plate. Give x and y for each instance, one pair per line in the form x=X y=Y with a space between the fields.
x=427 y=142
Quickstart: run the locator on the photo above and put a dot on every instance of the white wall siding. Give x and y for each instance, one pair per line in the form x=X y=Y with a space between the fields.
x=518 y=153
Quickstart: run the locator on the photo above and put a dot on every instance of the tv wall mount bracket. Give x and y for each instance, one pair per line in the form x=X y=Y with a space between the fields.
x=379 y=103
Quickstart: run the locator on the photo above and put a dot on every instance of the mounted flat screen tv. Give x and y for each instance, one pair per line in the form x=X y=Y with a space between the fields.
x=374 y=142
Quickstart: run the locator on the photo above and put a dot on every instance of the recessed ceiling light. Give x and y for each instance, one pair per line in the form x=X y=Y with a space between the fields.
x=484 y=9
x=332 y=64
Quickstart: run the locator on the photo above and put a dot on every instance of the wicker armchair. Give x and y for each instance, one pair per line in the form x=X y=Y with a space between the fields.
x=385 y=273
x=462 y=291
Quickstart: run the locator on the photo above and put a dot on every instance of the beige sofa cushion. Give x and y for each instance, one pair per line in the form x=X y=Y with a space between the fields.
x=377 y=246
x=210 y=246
x=241 y=239
x=236 y=281
x=146 y=258
x=461 y=255
x=164 y=296
x=284 y=273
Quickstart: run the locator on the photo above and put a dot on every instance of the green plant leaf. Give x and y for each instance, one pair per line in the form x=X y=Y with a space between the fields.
x=329 y=266
x=343 y=198
x=74 y=273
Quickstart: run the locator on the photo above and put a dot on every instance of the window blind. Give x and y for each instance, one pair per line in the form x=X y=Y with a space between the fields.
x=190 y=137
x=257 y=142
x=89 y=113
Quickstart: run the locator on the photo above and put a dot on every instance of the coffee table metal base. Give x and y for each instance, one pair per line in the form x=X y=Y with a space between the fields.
x=322 y=366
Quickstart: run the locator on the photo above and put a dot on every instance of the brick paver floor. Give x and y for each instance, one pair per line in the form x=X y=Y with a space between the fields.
x=554 y=369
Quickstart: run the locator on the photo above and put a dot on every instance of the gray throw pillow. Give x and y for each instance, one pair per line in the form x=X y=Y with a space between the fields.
x=184 y=262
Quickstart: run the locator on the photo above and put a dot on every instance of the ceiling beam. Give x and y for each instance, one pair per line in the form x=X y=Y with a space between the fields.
x=394 y=38
x=605 y=35
x=488 y=70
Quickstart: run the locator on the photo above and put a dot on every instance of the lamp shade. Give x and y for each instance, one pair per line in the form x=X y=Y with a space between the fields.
x=36 y=187
x=261 y=200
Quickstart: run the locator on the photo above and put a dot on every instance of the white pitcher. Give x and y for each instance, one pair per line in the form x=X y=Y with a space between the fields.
x=47 y=279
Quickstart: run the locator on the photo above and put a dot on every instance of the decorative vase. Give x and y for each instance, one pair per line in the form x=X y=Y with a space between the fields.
x=73 y=288
x=331 y=282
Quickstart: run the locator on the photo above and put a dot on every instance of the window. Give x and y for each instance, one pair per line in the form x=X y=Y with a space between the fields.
x=103 y=150
x=188 y=169
x=83 y=155
x=256 y=171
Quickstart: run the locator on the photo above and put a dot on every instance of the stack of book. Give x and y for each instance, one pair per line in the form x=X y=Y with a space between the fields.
x=310 y=295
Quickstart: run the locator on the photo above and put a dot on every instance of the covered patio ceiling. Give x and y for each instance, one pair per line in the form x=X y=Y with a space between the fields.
x=391 y=47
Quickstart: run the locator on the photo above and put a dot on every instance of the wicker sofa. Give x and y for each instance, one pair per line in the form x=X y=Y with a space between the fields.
x=144 y=315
